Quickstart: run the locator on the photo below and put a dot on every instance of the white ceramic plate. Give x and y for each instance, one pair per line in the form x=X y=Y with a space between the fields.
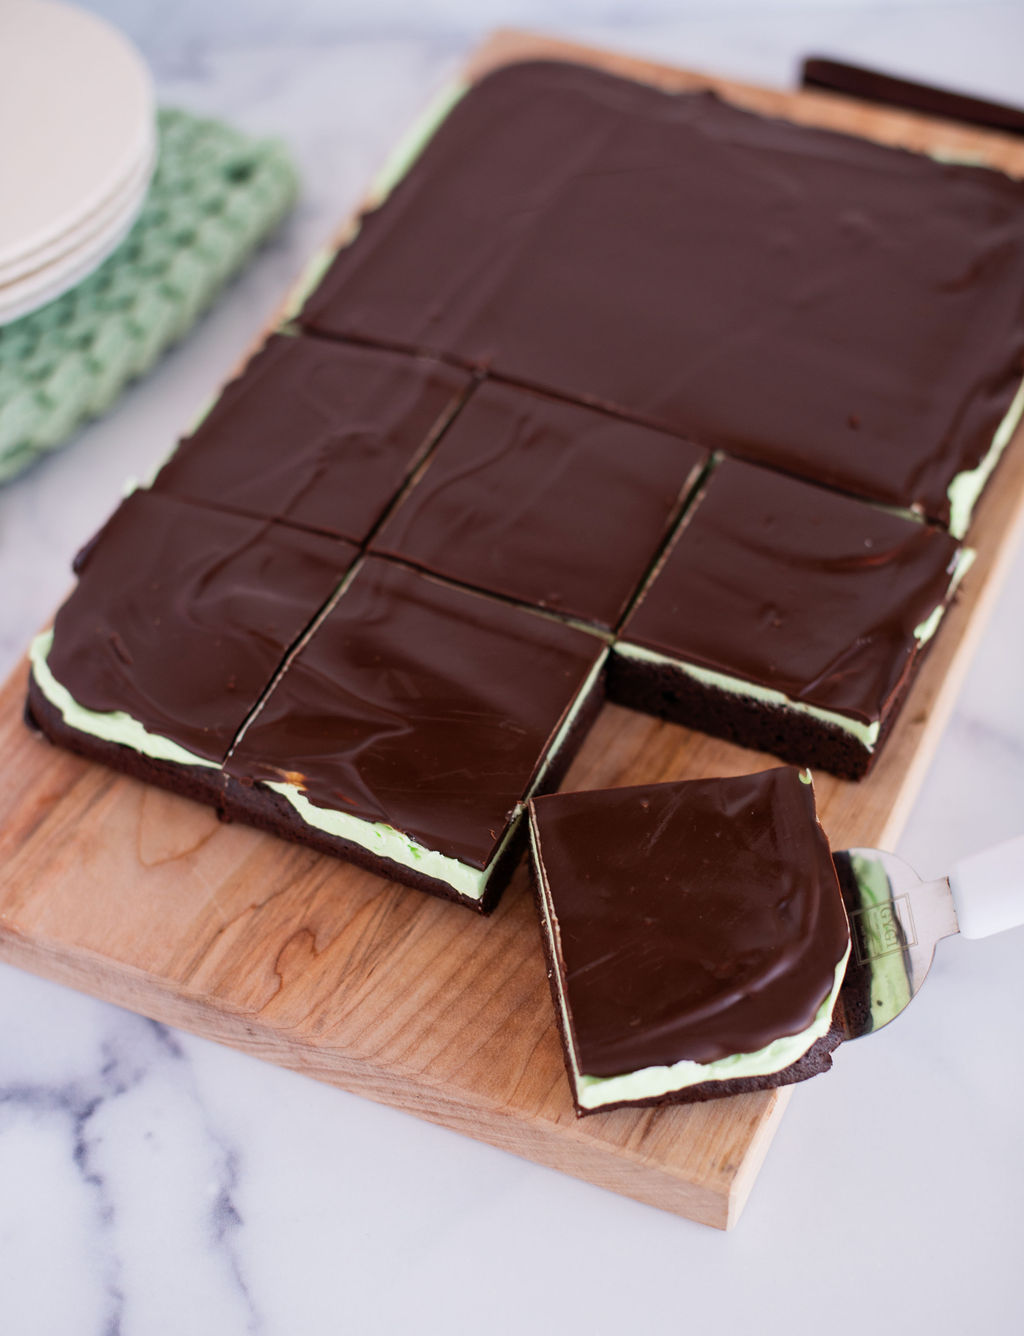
x=108 y=215
x=76 y=121
x=52 y=280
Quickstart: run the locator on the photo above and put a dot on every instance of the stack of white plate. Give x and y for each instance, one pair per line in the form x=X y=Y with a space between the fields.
x=77 y=148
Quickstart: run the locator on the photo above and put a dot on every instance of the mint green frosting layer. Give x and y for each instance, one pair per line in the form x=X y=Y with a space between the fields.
x=966 y=487
x=593 y=1092
x=866 y=734
x=958 y=157
x=962 y=563
x=387 y=842
x=113 y=726
x=652 y=1082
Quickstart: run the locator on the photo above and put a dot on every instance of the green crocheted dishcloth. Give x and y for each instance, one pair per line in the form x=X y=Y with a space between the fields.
x=215 y=196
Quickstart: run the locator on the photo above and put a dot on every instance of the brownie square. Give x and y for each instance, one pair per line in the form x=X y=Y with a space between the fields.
x=786 y=617
x=415 y=721
x=695 y=933
x=316 y=434
x=842 y=310
x=180 y=618
x=548 y=503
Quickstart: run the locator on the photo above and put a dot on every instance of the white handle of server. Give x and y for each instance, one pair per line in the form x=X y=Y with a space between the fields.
x=988 y=889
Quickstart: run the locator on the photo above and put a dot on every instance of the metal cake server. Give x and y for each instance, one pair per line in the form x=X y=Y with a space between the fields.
x=896 y=920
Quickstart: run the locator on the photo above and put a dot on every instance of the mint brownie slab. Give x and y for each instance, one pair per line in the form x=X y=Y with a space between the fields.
x=411 y=727
x=384 y=717
x=788 y=618
x=552 y=504
x=608 y=377
x=180 y=618
x=695 y=934
x=842 y=310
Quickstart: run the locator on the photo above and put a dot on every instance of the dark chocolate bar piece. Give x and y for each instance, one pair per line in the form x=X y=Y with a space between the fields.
x=418 y=718
x=836 y=76
x=687 y=924
x=786 y=617
x=182 y=615
x=316 y=434
x=548 y=503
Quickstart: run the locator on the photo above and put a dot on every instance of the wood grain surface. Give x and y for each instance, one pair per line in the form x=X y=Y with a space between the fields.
x=146 y=900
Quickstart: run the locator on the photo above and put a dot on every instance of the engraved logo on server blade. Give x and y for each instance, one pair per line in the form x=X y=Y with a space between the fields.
x=880 y=930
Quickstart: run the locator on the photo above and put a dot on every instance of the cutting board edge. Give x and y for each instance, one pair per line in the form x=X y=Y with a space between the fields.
x=720 y=1204
x=716 y=1200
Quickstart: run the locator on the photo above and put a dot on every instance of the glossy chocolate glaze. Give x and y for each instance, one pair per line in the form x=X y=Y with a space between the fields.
x=548 y=503
x=420 y=705
x=793 y=587
x=842 y=310
x=315 y=433
x=182 y=615
x=695 y=920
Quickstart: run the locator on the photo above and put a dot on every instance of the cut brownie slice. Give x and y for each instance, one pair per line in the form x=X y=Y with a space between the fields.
x=180 y=619
x=846 y=311
x=318 y=434
x=411 y=727
x=787 y=618
x=695 y=933
x=547 y=503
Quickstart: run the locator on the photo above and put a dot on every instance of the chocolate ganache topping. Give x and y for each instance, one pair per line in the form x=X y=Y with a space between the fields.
x=790 y=586
x=693 y=920
x=548 y=503
x=182 y=615
x=421 y=705
x=315 y=433
x=842 y=310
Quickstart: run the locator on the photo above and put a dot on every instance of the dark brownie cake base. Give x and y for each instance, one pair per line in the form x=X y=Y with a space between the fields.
x=816 y=1060
x=264 y=808
x=203 y=784
x=668 y=693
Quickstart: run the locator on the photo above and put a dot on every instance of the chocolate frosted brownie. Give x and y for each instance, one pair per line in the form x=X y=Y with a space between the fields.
x=695 y=933
x=503 y=391
x=787 y=618
x=548 y=503
x=841 y=310
x=180 y=618
x=316 y=434
x=413 y=724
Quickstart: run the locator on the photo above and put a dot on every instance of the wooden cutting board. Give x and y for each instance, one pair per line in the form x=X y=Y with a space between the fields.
x=146 y=900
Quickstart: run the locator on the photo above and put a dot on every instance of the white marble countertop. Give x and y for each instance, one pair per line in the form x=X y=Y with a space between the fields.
x=152 y=1183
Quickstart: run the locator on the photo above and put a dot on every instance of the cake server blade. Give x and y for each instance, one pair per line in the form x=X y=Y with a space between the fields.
x=896 y=919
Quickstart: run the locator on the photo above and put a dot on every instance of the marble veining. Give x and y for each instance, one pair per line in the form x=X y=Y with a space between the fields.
x=148 y=1176
x=153 y=1184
